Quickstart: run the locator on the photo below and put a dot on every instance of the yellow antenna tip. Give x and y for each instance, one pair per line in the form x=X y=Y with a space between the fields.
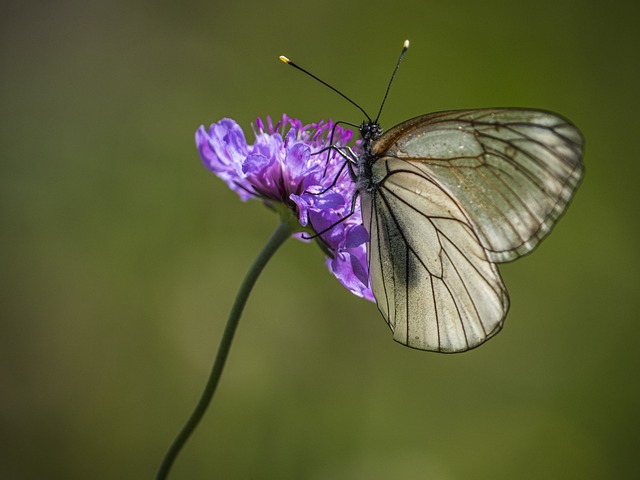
x=406 y=44
x=284 y=59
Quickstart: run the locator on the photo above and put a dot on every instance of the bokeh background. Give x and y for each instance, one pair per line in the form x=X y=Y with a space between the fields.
x=120 y=254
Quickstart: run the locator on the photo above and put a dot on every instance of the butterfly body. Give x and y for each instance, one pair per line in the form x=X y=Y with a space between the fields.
x=370 y=132
x=445 y=197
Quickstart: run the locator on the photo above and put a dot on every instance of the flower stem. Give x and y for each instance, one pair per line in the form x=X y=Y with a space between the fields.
x=282 y=233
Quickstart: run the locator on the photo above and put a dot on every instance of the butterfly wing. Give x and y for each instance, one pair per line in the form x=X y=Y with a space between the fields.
x=433 y=282
x=455 y=193
x=513 y=171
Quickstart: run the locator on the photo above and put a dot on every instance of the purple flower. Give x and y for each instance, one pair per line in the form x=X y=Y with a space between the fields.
x=288 y=169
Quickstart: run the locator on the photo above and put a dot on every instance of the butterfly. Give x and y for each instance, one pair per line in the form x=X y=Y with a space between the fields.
x=447 y=196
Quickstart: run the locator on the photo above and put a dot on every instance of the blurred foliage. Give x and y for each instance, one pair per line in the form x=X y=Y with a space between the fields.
x=121 y=254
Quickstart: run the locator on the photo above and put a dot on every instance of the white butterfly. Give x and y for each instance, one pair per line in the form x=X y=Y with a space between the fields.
x=445 y=197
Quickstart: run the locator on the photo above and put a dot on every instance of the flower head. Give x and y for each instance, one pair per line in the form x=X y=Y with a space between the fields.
x=290 y=168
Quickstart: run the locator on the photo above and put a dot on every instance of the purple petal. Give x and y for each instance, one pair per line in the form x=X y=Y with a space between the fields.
x=359 y=270
x=356 y=235
x=255 y=163
x=296 y=160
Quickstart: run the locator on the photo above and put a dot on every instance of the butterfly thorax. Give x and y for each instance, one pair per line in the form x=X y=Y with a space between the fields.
x=369 y=133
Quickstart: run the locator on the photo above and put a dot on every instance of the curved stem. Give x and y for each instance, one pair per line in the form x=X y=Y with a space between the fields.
x=282 y=233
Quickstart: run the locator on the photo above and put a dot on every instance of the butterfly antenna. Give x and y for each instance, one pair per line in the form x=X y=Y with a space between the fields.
x=289 y=62
x=405 y=46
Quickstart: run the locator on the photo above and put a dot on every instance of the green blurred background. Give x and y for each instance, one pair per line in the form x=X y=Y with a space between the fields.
x=121 y=254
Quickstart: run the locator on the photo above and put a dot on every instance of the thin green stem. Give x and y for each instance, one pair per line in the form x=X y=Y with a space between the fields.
x=282 y=233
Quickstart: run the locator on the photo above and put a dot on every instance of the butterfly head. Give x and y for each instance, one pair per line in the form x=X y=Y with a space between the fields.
x=369 y=133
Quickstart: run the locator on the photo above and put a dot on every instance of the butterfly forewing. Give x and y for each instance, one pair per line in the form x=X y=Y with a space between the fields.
x=513 y=171
x=454 y=193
